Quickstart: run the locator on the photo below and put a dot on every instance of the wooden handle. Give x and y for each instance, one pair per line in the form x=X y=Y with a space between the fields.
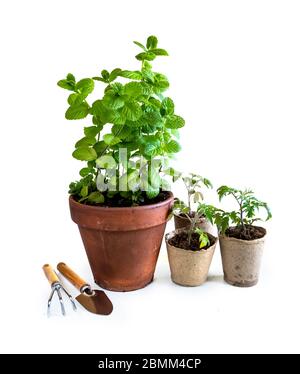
x=50 y=274
x=72 y=277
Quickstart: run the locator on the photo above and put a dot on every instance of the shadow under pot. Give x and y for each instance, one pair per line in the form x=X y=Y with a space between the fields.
x=183 y=222
x=122 y=243
x=189 y=267
x=241 y=259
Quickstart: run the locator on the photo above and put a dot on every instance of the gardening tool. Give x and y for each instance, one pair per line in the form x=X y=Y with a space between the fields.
x=95 y=301
x=56 y=286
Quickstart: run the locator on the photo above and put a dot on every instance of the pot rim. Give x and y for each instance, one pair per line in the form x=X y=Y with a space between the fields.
x=170 y=234
x=123 y=209
x=247 y=242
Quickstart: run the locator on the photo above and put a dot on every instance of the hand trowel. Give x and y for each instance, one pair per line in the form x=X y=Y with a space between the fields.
x=95 y=301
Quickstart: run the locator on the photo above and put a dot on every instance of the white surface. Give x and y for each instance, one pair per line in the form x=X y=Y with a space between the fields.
x=235 y=78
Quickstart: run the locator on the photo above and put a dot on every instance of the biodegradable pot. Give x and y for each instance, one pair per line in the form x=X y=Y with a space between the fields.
x=203 y=223
x=122 y=244
x=189 y=268
x=241 y=260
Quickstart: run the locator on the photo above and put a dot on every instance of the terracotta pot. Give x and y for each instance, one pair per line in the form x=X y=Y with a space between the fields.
x=189 y=268
x=122 y=244
x=241 y=260
x=203 y=223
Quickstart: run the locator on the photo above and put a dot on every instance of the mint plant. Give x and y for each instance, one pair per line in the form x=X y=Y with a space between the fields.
x=242 y=218
x=134 y=116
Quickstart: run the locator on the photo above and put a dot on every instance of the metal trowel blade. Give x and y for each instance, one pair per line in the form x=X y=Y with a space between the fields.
x=97 y=303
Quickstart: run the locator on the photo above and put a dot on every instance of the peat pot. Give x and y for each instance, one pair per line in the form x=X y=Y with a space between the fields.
x=203 y=223
x=189 y=268
x=122 y=244
x=241 y=260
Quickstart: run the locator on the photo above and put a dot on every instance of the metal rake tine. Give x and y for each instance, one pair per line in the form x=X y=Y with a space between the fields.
x=49 y=302
x=70 y=298
x=61 y=302
x=67 y=293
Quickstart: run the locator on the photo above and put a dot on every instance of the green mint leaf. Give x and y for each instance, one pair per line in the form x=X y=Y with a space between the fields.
x=117 y=88
x=150 y=149
x=173 y=147
x=63 y=83
x=77 y=111
x=111 y=139
x=152 y=42
x=148 y=56
x=75 y=99
x=105 y=75
x=84 y=191
x=137 y=75
x=133 y=89
x=96 y=197
x=71 y=78
x=146 y=88
x=97 y=122
x=152 y=118
x=114 y=74
x=151 y=146
x=132 y=111
x=174 y=122
x=85 y=154
x=154 y=103
x=120 y=131
x=159 y=52
x=86 y=141
x=161 y=83
x=113 y=101
x=99 y=79
x=101 y=111
x=140 y=45
x=167 y=106
x=85 y=171
x=148 y=76
x=100 y=147
x=91 y=131
x=85 y=86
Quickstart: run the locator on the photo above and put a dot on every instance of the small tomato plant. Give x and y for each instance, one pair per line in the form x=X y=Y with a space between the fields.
x=134 y=116
x=246 y=214
x=203 y=238
x=193 y=184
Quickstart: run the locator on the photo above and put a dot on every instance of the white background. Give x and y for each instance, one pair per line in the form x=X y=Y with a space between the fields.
x=234 y=69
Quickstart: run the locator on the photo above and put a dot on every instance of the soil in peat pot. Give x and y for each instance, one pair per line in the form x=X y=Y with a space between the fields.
x=119 y=201
x=180 y=240
x=247 y=232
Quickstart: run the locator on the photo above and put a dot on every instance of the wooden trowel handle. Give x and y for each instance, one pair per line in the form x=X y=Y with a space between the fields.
x=50 y=274
x=72 y=277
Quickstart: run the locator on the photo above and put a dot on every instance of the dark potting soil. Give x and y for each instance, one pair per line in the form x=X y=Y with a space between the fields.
x=119 y=201
x=180 y=240
x=247 y=232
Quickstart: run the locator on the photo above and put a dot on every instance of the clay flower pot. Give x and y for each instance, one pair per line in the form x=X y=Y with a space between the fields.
x=241 y=260
x=122 y=244
x=189 y=268
x=203 y=223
